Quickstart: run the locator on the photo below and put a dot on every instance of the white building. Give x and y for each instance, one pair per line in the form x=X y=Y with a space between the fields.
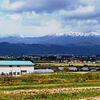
x=16 y=68
x=72 y=68
x=44 y=71
x=85 y=69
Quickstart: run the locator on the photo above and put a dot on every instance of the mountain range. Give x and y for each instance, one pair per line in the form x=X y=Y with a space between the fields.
x=81 y=45
x=56 y=40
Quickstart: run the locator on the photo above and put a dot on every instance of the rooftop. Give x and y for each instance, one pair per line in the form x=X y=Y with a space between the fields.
x=5 y=63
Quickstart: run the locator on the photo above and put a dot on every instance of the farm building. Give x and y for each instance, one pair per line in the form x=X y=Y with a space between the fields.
x=85 y=69
x=44 y=71
x=72 y=68
x=16 y=68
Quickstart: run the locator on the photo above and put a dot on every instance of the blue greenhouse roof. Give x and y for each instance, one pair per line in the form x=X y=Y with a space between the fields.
x=25 y=63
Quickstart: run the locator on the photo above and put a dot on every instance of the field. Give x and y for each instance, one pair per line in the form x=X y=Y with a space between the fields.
x=67 y=64
x=52 y=86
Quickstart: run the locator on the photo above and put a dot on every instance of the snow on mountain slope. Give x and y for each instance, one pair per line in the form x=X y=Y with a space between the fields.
x=57 y=39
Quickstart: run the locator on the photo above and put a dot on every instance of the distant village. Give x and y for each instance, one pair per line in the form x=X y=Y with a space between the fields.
x=55 y=58
x=38 y=63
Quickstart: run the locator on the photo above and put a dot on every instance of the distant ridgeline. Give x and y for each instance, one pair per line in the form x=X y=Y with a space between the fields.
x=53 y=44
x=56 y=40
x=27 y=49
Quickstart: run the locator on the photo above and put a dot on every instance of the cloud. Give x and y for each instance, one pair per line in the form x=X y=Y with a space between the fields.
x=12 y=6
x=79 y=13
x=39 y=5
x=91 y=10
x=43 y=17
x=26 y=24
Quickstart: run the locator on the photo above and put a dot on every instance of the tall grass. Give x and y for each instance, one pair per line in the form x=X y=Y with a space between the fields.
x=54 y=78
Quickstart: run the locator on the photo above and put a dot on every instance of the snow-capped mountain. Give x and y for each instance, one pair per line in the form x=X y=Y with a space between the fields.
x=57 y=39
x=51 y=44
x=76 y=34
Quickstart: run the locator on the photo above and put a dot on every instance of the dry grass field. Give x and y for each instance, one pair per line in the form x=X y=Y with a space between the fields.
x=67 y=64
x=52 y=86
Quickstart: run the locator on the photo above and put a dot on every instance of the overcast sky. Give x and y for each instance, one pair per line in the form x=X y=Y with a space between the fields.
x=45 y=17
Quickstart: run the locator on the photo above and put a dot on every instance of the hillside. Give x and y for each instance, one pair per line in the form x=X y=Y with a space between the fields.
x=27 y=49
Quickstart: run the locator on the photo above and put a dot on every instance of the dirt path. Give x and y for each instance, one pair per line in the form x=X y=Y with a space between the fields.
x=53 y=91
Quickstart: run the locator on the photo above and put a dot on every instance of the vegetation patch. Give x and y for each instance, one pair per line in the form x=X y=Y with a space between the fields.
x=50 y=86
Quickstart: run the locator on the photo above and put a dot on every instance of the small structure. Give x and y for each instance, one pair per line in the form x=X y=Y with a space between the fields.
x=44 y=71
x=97 y=68
x=93 y=68
x=60 y=68
x=72 y=68
x=85 y=69
x=16 y=68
